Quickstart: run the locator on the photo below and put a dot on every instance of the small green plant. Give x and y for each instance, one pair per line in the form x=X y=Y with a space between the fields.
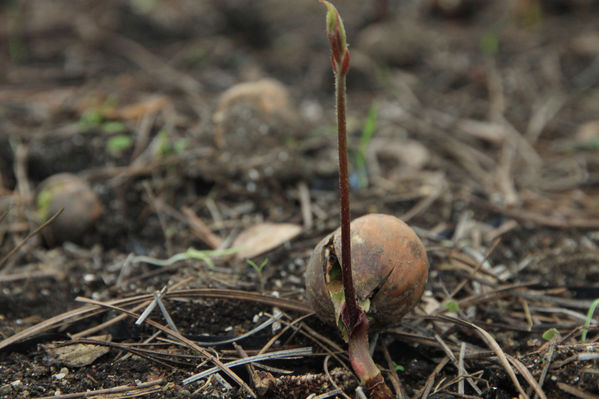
x=97 y=118
x=453 y=306
x=587 y=322
x=550 y=334
x=113 y=127
x=167 y=146
x=398 y=367
x=258 y=269
x=90 y=120
x=180 y=145
x=368 y=130
x=117 y=144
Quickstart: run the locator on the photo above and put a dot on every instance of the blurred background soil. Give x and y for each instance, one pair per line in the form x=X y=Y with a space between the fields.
x=185 y=124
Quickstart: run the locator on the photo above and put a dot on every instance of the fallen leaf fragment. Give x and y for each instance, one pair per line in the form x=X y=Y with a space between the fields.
x=264 y=237
x=77 y=355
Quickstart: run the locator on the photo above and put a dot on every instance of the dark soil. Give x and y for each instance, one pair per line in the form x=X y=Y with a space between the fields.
x=486 y=141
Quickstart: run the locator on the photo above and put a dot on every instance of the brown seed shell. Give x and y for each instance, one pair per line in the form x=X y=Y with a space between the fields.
x=389 y=267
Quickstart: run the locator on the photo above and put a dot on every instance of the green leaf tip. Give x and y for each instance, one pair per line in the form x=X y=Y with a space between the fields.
x=587 y=322
x=334 y=21
x=453 y=306
x=550 y=334
x=331 y=15
x=337 y=38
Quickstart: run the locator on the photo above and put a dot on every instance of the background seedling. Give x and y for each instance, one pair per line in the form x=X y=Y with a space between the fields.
x=119 y=143
x=166 y=145
x=398 y=367
x=453 y=306
x=550 y=334
x=258 y=269
x=587 y=322
x=368 y=130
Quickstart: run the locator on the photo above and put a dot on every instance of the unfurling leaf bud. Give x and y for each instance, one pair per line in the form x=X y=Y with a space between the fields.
x=337 y=39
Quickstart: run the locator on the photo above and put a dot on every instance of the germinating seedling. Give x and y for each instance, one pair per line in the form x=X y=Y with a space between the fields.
x=360 y=157
x=258 y=270
x=587 y=322
x=371 y=278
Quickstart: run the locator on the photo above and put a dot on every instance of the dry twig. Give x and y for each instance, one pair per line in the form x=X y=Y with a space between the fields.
x=145 y=388
x=29 y=236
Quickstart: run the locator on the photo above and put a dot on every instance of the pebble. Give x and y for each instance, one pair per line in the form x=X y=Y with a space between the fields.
x=260 y=110
x=63 y=373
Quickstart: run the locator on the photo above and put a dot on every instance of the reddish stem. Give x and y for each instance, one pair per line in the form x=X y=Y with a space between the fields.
x=362 y=362
x=352 y=315
x=346 y=273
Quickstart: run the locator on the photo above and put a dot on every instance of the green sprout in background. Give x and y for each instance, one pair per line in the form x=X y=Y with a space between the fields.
x=453 y=306
x=168 y=146
x=117 y=144
x=398 y=367
x=550 y=334
x=90 y=120
x=113 y=127
x=587 y=322
x=370 y=126
x=258 y=269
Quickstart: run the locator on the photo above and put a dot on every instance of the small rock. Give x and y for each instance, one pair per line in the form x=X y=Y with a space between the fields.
x=379 y=41
x=260 y=110
x=390 y=157
x=63 y=373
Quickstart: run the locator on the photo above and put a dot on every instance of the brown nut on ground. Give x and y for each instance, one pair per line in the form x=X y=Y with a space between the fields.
x=81 y=207
x=389 y=269
x=262 y=111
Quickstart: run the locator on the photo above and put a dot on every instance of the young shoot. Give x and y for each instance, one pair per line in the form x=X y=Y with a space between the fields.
x=375 y=275
x=587 y=322
x=550 y=334
x=452 y=305
x=368 y=130
x=398 y=367
x=258 y=269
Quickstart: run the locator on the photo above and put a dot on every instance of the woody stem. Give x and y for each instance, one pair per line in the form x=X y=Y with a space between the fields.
x=348 y=285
